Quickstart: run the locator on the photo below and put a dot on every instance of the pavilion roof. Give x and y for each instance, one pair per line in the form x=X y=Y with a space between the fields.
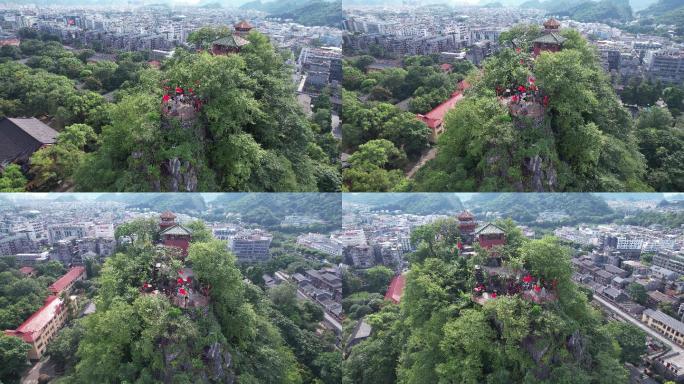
x=550 y=38
x=177 y=230
x=231 y=41
x=488 y=229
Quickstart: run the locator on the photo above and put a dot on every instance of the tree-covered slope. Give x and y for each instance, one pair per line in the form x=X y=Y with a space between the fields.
x=437 y=334
x=575 y=137
x=137 y=335
x=237 y=125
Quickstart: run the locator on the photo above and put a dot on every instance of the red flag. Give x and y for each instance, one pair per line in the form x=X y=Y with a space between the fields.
x=459 y=245
x=527 y=279
x=166 y=98
x=179 y=90
x=180 y=280
x=182 y=291
x=493 y=295
x=188 y=279
x=537 y=288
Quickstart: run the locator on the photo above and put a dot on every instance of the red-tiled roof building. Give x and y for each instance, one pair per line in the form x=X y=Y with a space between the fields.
x=490 y=235
x=396 y=289
x=28 y=271
x=67 y=281
x=39 y=329
x=435 y=118
x=173 y=234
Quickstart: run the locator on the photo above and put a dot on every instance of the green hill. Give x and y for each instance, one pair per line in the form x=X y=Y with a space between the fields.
x=586 y=11
x=443 y=332
x=306 y=12
x=666 y=12
x=271 y=208
x=425 y=204
x=526 y=206
x=601 y=11
x=631 y=196
x=315 y=13
x=177 y=202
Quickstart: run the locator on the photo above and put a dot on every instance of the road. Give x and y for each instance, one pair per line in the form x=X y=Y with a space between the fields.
x=423 y=160
x=674 y=347
x=329 y=319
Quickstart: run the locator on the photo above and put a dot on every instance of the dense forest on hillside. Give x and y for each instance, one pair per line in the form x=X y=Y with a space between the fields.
x=437 y=334
x=383 y=138
x=581 y=144
x=243 y=334
x=247 y=132
x=581 y=138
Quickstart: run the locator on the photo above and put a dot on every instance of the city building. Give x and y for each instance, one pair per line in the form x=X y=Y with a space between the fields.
x=320 y=243
x=671 y=260
x=672 y=328
x=251 y=246
x=31 y=259
x=666 y=65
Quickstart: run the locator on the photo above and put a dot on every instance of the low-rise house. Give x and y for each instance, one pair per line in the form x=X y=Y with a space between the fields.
x=616 y=270
x=614 y=294
x=20 y=138
x=657 y=298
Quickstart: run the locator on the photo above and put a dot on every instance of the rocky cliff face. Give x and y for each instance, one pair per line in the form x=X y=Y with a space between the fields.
x=180 y=175
x=216 y=363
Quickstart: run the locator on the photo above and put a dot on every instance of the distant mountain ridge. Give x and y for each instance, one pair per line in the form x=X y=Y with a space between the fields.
x=271 y=208
x=666 y=12
x=177 y=202
x=585 y=10
x=526 y=206
x=305 y=12
x=413 y=203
